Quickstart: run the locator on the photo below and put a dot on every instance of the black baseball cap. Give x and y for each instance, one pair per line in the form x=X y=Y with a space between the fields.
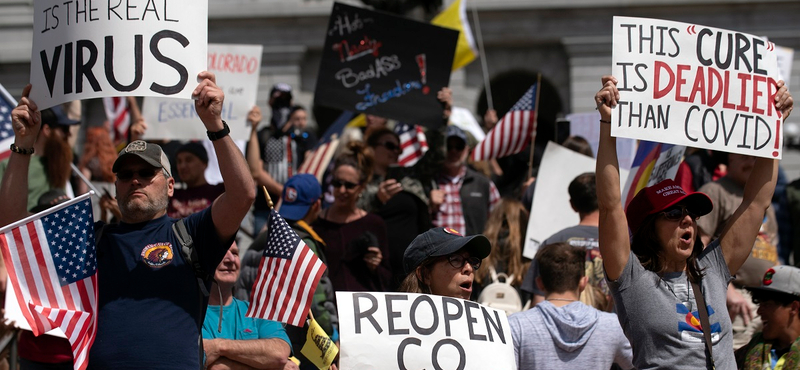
x=442 y=241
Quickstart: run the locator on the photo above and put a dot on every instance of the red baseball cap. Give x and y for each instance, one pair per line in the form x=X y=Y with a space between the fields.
x=665 y=194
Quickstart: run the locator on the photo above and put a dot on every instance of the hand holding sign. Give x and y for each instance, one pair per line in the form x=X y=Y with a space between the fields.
x=783 y=100
x=208 y=101
x=27 y=120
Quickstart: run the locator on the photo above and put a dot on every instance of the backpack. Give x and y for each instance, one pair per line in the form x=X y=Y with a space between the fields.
x=501 y=295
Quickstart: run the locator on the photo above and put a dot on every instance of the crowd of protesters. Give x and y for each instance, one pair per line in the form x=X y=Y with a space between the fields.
x=624 y=288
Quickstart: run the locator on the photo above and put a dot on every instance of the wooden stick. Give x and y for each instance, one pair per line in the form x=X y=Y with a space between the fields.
x=535 y=123
x=482 y=54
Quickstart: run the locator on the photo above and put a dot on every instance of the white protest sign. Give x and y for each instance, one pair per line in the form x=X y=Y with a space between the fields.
x=785 y=59
x=550 y=210
x=92 y=48
x=237 y=68
x=696 y=86
x=587 y=126
x=419 y=331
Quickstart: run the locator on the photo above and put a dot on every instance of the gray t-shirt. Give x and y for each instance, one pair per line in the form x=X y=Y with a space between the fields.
x=584 y=236
x=655 y=314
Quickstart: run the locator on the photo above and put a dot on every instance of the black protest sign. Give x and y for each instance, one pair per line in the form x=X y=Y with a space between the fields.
x=384 y=65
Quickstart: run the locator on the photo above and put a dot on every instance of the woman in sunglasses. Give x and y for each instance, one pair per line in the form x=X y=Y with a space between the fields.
x=658 y=276
x=356 y=241
x=443 y=262
x=396 y=197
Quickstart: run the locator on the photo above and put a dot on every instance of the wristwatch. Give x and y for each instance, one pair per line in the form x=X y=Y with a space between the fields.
x=219 y=134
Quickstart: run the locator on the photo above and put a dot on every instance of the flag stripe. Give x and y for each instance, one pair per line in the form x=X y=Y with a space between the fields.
x=512 y=133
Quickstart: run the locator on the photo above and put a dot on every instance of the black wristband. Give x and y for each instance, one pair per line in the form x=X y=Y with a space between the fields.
x=607 y=122
x=18 y=150
x=219 y=134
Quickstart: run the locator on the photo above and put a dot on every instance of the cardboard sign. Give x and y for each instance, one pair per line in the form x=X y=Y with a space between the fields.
x=419 y=331
x=384 y=65
x=92 y=48
x=238 y=69
x=550 y=210
x=698 y=86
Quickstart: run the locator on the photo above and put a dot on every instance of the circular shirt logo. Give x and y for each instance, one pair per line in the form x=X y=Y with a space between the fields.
x=157 y=255
x=768 y=277
x=291 y=195
x=452 y=231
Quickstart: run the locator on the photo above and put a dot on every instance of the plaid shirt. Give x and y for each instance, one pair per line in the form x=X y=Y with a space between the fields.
x=450 y=213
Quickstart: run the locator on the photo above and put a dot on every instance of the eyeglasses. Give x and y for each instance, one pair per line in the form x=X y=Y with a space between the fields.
x=677 y=213
x=458 y=261
x=347 y=184
x=143 y=173
x=390 y=145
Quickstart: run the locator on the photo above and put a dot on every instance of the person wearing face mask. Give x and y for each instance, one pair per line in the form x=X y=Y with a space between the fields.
x=443 y=262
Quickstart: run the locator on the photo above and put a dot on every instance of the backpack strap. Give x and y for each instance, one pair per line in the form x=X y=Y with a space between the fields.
x=191 y=257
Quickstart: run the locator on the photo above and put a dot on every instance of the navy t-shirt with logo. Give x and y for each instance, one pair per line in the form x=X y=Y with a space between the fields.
x=148 y=296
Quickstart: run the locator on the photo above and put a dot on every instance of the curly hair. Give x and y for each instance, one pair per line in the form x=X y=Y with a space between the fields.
x=510 y=217
x=646 y=246
x=98 y=145
x=358 y=156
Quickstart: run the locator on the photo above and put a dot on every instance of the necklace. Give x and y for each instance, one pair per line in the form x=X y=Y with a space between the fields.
x=561 y=299
x=688 y=292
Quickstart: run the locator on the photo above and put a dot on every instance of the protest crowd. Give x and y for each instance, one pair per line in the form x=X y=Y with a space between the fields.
x=698 y=270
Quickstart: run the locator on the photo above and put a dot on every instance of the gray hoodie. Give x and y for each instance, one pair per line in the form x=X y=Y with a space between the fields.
x=550 y=337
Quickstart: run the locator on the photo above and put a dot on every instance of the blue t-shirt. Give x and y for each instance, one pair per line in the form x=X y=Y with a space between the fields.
x=235 y=325
x=148 y=298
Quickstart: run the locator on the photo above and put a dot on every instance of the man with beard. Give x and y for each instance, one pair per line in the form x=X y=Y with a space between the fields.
x=49 y=167
x=150 y=305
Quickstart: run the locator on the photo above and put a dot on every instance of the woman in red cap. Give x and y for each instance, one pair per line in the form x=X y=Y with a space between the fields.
x=655 y=275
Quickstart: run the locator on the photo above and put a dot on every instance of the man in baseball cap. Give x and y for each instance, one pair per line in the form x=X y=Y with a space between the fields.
x=777 y=346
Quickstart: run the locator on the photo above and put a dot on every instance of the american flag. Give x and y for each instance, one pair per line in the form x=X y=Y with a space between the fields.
x=316 y=162
x=512 y=133
x=287 y=276
x=412 y=143
x=7 y=104
x=119 y=118
x=51 y=258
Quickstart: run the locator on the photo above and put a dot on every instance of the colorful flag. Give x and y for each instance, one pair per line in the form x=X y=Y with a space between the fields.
x=455 y=17
x=513 y=132
x=413 y=143
x=653 y=163
x=319 y=348
x=117 y=115
x=7 y=104
x=287 y=276
x=51 y=259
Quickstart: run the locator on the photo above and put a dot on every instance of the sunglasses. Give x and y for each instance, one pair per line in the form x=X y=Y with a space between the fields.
x=459 y=146
x=143 y=174
x=390 y=145
x=458 y=261
x=677 y=213
x=347 y=184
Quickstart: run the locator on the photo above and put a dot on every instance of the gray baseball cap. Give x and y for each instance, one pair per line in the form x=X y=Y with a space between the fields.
x=780 y=279
x=150 y=153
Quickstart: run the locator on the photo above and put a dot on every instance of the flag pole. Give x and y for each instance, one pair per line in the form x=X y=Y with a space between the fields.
x=266 y=195
x=535 y=123
x=484 y=67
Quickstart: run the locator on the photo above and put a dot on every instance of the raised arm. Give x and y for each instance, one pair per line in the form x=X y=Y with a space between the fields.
x=230 y=208
x=258 y=353
x=740 y=231
x=26 y=121
x=254 y=162
x=615 y=246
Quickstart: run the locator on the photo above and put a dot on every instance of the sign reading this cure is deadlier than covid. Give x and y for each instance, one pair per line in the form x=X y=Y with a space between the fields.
x=696 y=86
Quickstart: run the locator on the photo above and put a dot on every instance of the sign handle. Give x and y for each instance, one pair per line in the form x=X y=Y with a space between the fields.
x=535 y=123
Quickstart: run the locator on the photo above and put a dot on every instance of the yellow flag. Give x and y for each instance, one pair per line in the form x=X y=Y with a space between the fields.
x=319 y=348
x=455 y=17
x=357 y=121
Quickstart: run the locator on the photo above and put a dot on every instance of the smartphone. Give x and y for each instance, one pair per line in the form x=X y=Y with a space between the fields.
x=395 y=172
